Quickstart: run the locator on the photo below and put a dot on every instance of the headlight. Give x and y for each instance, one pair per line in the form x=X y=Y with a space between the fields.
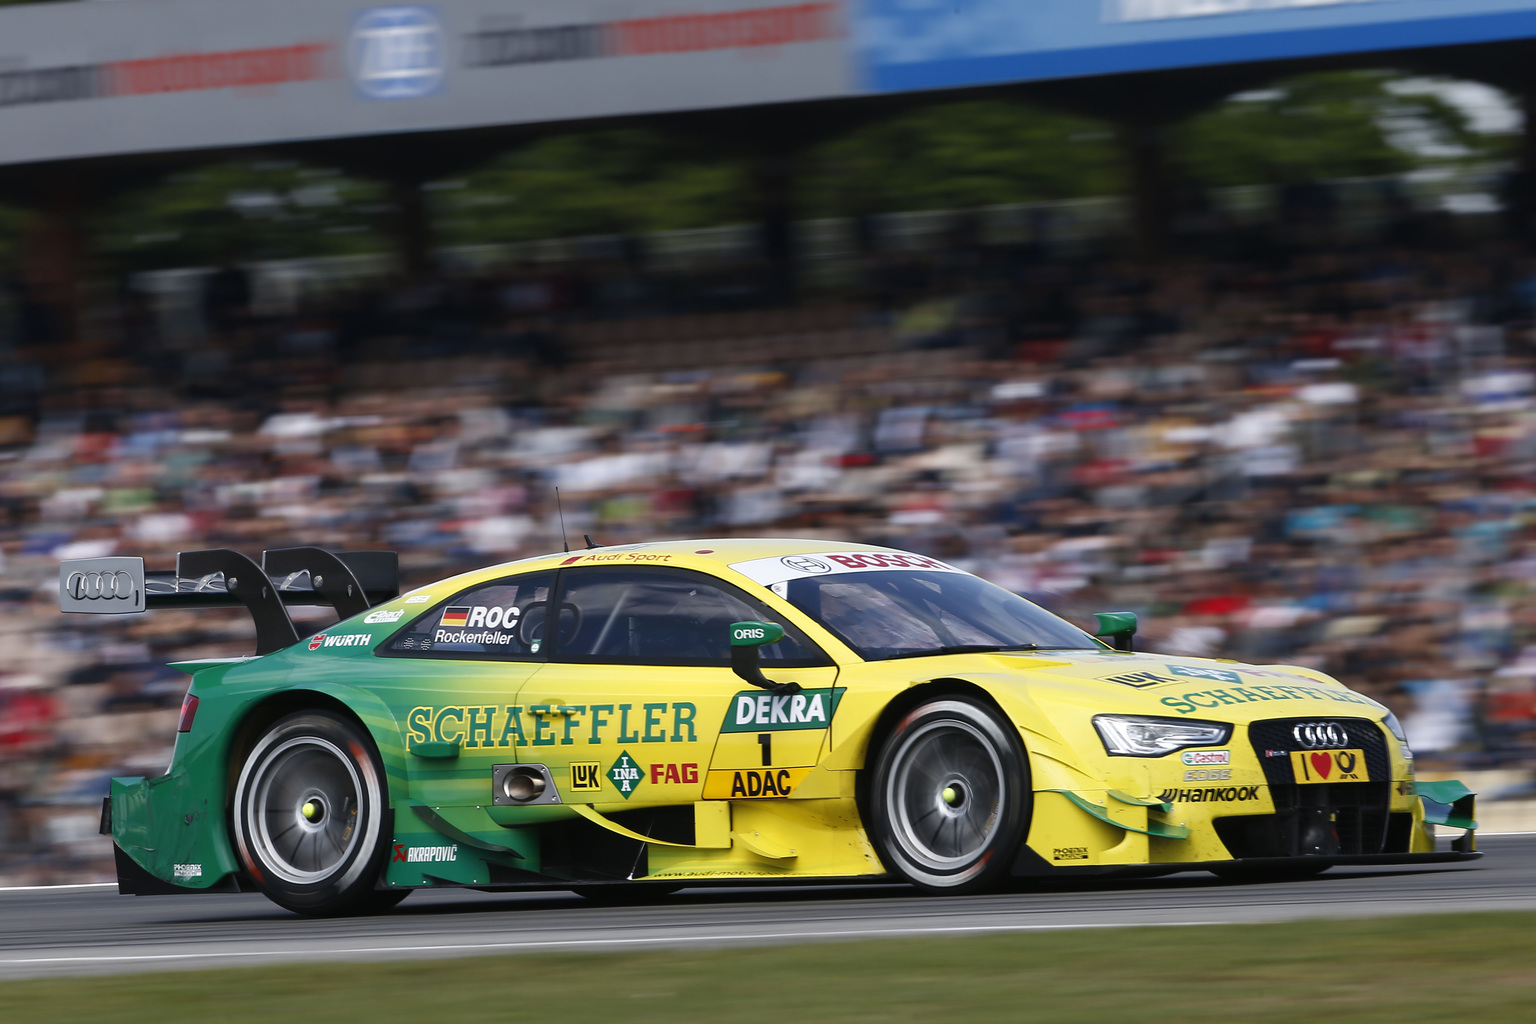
x=1396 y=729
x=1143 y=736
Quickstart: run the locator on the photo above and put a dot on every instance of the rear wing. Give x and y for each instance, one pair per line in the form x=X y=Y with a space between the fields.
x=348 y=581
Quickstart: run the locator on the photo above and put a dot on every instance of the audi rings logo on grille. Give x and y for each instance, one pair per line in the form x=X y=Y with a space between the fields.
x=1320 y=735
x=104 y=585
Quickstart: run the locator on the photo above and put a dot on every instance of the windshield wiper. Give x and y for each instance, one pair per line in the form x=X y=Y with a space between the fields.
x=963 y=649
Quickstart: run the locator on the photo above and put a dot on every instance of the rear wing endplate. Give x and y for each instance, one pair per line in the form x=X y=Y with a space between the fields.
x=348 y=581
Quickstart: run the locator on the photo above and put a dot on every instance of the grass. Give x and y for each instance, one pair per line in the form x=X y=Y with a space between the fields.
x=1472 y=967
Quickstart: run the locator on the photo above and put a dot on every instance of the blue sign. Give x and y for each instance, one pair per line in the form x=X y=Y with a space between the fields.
x=397 y=53
x=935 y=44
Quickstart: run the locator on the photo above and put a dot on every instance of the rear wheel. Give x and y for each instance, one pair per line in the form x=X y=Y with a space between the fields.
x=308 y=816
x=950 y=797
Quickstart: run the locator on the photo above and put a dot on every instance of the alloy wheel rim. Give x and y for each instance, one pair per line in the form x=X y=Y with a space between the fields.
x=303 y=809
x=946 y=795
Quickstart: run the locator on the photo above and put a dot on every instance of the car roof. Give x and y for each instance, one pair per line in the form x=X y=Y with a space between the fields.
x=713 y=555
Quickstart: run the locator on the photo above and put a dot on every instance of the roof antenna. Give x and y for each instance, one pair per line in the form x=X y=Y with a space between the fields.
x=561 y=509
x=590 y=542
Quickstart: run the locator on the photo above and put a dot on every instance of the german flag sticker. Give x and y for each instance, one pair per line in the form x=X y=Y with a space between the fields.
x=455 y=615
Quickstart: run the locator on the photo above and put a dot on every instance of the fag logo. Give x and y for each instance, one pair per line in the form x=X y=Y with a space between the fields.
x=682 y=774
x=455 y=615
x=316 y=640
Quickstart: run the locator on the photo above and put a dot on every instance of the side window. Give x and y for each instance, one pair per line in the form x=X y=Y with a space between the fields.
x=662 y=617
x=504 y=619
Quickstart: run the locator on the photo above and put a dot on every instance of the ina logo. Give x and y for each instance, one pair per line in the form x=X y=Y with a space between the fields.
x=625 y=775
x=397 y=53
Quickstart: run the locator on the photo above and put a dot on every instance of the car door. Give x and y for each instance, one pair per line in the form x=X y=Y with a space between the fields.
x=639 y=705
x=452 y=676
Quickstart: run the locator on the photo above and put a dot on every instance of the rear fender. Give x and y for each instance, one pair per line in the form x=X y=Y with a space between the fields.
x=176 y=826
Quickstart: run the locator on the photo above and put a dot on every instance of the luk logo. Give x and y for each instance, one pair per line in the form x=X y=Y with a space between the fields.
x=586 y=776
x=397 y=53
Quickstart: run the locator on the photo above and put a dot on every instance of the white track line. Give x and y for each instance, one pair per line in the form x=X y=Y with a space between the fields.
x=45 y=888
x=655 y=940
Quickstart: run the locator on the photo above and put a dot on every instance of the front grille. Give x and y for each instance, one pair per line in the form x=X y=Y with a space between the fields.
x=1322 y=820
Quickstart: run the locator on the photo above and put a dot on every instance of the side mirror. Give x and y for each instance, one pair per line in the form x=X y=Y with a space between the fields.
x=1117 y=628
x=746 y=638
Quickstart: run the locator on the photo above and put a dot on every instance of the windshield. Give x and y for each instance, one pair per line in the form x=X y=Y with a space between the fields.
x=901 y=614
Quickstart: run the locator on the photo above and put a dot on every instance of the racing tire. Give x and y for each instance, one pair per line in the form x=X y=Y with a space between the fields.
x=950 y=797
x=308 y=816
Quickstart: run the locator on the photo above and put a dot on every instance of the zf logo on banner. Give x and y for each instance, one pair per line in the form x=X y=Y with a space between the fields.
x=397 y=53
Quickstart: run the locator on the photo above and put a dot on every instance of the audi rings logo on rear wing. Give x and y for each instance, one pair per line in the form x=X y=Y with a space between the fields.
x=102 y=586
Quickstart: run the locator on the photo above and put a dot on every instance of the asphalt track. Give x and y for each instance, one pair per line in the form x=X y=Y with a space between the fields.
x=92 y=930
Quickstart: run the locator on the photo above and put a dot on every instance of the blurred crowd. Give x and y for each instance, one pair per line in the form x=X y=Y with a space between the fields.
x=1289 y=448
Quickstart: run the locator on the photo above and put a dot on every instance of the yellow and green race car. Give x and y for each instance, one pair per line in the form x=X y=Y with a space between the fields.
x=628 y=720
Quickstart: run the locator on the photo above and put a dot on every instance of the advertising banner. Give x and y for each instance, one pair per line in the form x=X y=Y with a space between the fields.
x=930 y=44
x=87 y=79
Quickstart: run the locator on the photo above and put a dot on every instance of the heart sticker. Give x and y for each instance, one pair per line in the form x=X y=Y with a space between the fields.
x=1322 y=764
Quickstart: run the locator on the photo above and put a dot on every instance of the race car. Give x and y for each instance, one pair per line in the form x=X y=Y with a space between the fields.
x=625 y=721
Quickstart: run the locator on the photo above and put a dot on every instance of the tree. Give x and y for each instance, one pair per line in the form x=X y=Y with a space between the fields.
x=244 y=210
x=955 y=155
x=625 y=181
x=1333 y=124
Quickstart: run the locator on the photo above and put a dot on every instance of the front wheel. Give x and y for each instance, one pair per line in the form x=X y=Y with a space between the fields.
x=308 y=816
x=950 y=797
